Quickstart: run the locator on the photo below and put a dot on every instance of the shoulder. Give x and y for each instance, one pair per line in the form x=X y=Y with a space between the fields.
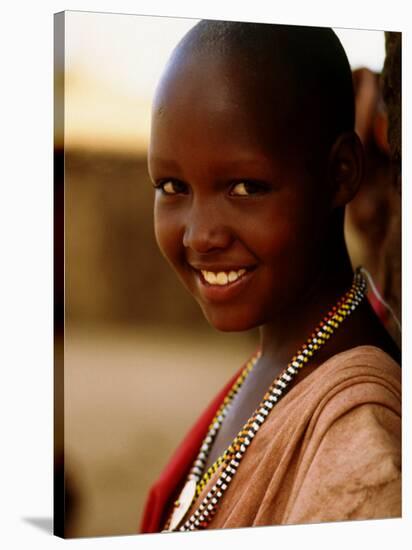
x=370 y=359
x=350 y=464
x=353 y=471
x=361 y=375
x=359 y=389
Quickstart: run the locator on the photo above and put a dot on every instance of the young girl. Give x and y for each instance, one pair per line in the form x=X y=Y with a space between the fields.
x=253 y=157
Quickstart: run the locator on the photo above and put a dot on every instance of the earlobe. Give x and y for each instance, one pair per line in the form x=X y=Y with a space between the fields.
x=346 y=166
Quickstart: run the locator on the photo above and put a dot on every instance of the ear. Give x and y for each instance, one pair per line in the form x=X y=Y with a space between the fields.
x=345 y=168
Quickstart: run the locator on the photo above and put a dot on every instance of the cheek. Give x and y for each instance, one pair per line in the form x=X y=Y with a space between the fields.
x=275 y=235
x=289 y=240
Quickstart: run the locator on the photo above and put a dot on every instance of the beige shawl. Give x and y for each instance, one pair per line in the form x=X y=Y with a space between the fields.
x=330 y=450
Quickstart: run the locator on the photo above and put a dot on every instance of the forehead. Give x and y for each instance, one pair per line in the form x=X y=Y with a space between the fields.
x=227 y=101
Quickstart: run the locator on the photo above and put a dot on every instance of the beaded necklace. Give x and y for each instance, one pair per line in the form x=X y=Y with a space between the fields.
x=231 y=458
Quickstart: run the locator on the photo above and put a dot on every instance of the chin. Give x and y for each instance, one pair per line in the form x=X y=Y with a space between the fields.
x=231 y=323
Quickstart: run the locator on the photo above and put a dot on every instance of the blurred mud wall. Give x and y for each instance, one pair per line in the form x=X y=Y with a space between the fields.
x=115 y=272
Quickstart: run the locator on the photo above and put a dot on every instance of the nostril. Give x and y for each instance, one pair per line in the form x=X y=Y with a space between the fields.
x=204 y=239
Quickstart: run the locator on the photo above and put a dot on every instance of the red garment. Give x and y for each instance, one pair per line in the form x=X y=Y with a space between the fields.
x=379 y=309
x=162 y=491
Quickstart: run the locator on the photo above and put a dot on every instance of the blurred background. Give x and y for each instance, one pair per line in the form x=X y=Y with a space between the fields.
x=132 y=334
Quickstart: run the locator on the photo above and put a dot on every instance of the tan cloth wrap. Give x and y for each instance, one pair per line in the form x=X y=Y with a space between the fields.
x=330 y=450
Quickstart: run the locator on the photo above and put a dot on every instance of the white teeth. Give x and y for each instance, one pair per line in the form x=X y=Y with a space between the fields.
x=210 y=277
x=222 y=278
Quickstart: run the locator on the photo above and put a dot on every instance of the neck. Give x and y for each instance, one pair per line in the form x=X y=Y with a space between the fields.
x=280 y=338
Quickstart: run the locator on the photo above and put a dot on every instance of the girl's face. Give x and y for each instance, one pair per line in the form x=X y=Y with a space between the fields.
x=237 y=213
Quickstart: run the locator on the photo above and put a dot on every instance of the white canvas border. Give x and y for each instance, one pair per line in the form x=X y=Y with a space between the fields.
x=26 y=52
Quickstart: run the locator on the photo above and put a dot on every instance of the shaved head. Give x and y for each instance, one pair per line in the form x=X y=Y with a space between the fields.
x=302 y=72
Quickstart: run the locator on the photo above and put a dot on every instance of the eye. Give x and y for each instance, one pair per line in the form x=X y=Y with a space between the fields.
x=247 y=187
x=171 y=187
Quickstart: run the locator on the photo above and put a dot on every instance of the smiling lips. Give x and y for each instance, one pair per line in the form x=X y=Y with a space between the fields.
x=222 y=278
x=220 y=283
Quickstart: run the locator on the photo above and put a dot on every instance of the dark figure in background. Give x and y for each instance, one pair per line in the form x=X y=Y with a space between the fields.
x=372 y=216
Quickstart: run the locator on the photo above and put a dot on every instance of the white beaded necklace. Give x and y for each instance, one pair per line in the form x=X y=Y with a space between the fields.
x=233 y=455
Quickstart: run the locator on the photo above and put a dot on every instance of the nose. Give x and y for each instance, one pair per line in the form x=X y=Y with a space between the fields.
x=205 y=230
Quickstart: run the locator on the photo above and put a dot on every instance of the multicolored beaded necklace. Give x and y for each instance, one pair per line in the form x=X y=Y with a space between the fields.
x=233 y=455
